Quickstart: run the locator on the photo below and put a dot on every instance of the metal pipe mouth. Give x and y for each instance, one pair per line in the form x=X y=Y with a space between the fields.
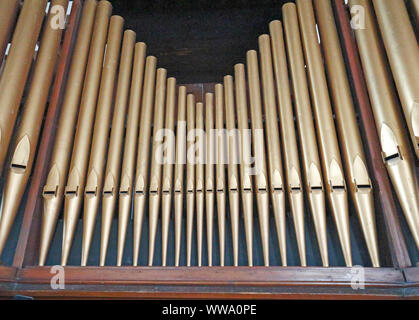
x=20 y=168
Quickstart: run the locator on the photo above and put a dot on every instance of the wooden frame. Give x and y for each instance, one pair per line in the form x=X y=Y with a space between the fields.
x=211 y=282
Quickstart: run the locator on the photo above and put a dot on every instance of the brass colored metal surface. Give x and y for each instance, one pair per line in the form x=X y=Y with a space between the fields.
x=130 y=147
x=273 y=146
x=326 y=132
x=289 y=140
x=246 y=185
x=98 y=151
x=156 y=162
x=23 y=151
x=403 y=52
x=75 y=187
x=388 y=119
x=358 y=179
x=306 y=132
x=167 y=187
x=220 y=167
x=143 y=151
x=210 y=184
x=113 y=165
x=16 y=70
x=8 y=13
x=233 y=157
x=54 y=187
x=200 y=176
x=259 y=150
x=190 y=174
x=179 y=168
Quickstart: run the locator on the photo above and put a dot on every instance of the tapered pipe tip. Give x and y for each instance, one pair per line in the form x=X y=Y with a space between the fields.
x=154 y=204
x=339 y=204
x=364 y=203
x=71 y=214
x=49 y=222
x=123 y=218
x=234 y=213
x=91 y=204
x=166 y=207
x=139 y=204
x=108 y=206
x=297 y=208
x=278 y=204
x=318 y=209
x=247 y=199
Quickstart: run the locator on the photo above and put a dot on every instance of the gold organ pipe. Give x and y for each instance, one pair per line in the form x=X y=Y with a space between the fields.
x=220 y=167
x=53 y=191
x=190 y=174
x=289 y=140
x=167 y=187
x=403 y=52
x=306 y=132
x=200 y=176
x=156 y=162
x=16 y=70
x=261 y=177
x=273 y=143
x=328 y=142
x=210 y=184
x=143 y=159
x=244 y=146
x=359 y=182
x=113 y=166
x=233 y=174
x=179 y=168
x=74 y=189
x=98 y=151
x=130 y=147
x=27 y=136
x=388 y=119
